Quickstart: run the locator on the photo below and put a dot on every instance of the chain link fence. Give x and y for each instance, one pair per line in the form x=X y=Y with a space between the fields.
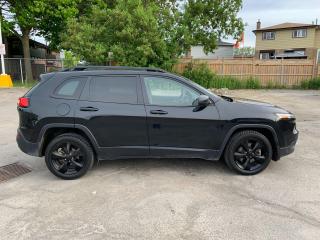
x=16 y=69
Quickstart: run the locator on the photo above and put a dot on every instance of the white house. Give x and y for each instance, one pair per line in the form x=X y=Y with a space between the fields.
x=224 y=50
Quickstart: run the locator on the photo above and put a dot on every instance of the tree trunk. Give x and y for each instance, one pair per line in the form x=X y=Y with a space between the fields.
x=26 y=54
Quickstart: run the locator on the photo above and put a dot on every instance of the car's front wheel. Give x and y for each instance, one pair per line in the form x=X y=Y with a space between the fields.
x=69 y=156
x=248 y=152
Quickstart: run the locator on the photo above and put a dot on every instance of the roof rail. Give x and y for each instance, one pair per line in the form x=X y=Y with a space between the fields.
x=94 y=68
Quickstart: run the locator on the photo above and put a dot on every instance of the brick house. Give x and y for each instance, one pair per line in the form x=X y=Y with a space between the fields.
x=288 y=41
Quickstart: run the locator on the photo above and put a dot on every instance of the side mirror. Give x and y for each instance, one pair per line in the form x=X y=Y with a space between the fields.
x=201 y=102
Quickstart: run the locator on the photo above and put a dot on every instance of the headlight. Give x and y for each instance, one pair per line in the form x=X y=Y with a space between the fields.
x=284 y=116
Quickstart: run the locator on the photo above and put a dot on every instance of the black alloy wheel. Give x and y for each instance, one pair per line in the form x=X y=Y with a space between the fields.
x=249 y=152
x=69 y=156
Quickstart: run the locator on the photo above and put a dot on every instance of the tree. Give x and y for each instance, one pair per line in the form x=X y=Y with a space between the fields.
x=244 y=52
x=150 y=32
x=38 y=17
x=128 y=30
x=70 y=60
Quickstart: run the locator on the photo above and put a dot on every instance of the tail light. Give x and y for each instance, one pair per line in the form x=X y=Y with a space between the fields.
x=23 y=102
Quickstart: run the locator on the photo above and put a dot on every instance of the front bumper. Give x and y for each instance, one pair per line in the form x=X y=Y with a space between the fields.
x=26 y=146
x=290 y=148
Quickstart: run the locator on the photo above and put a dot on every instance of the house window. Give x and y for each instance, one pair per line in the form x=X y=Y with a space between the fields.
x=267 y=55
x=264 y=56
x=300 y=33
x=268 y=36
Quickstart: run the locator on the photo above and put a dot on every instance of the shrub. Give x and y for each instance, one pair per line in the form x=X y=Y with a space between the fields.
x=252 y=83
x=311 y=84
x=200 y=74
x=225 y=82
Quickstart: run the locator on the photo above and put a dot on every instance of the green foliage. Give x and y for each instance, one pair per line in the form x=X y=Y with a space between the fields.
x=149 y=32
x=205 y=22
x=70 y=60
x=252 y=83
x=38 y=17
x=311 y=84
x=26 y=84
x=45 y=18
x=244 y=52
x=226 y=82
x=201 y=74
x=271 y=85
x=128 y=31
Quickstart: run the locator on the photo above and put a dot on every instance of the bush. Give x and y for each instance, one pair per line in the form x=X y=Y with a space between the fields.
x=202 y=75
x=225 y=82
x=252 y=83
x=311 y=84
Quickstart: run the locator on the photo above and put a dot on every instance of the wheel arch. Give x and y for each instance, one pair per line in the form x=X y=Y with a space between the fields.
x=266 y=130
x=51 y=131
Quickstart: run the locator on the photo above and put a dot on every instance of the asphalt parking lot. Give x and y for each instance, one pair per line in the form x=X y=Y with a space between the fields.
x=167 y=198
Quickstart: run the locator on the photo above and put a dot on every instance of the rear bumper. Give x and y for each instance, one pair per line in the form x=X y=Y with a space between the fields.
x=26 y=146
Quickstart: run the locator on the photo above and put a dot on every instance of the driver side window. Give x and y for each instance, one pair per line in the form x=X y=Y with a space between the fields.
x=167 y=92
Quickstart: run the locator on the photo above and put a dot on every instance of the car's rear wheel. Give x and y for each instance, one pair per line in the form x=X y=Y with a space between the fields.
x=248 y=152
x=69 y=156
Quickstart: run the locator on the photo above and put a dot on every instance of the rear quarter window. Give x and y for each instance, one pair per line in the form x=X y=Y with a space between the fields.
x=70 y=88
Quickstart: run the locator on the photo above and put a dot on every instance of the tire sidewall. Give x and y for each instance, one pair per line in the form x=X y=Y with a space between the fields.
x=229 y=157
x=88 y=160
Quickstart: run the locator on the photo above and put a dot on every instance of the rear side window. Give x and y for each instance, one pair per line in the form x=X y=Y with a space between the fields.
x=115 y=89
x=69 y=88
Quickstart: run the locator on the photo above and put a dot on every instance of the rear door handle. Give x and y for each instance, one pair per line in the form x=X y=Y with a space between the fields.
x=89 y=109
x=161 y=112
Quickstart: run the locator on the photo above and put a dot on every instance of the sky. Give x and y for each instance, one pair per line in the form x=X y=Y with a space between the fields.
x=272 y=12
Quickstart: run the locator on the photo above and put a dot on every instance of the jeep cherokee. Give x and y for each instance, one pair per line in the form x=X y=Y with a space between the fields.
x=76 y=116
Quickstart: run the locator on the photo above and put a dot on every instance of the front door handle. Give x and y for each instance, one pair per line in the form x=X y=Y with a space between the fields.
x=160 y=112
x=89 y=109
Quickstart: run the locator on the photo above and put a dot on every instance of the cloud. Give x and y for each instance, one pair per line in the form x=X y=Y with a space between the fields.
x=265 y=5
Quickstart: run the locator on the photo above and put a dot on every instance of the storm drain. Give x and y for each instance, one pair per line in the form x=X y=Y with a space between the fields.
x=12 y=170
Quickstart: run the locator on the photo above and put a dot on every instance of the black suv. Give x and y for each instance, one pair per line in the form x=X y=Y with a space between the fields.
x=104 y=113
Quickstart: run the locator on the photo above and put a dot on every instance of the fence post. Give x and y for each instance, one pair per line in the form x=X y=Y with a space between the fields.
x=315 y=70
x=21 y=71
x=253 y=70
x=242 y=66
x=282 y=72
x=222 y=67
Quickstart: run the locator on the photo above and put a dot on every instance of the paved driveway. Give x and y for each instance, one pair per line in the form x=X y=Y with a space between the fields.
x=167 y=198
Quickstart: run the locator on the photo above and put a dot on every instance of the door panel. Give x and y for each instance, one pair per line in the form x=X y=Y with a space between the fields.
x=182 y=128
x=119 y=128
x=179 y=131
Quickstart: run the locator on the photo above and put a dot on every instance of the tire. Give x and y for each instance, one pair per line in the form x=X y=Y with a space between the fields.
x=69 y=156
x=248 y=152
